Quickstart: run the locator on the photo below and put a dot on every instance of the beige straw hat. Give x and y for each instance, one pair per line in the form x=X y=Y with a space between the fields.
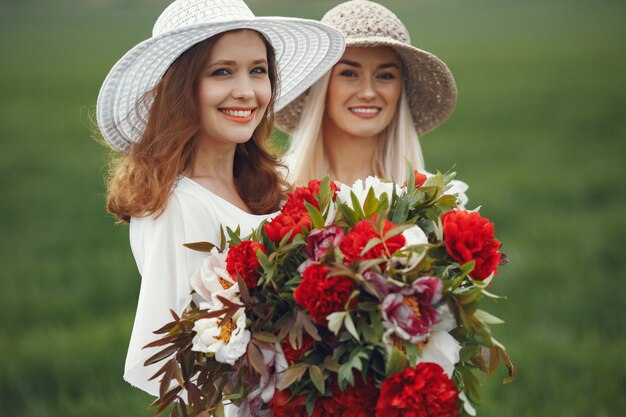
x=305 y=51
x=430 y=87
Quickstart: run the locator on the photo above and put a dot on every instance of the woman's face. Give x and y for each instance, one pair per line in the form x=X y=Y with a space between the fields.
x=363 y=91
x=234 y=89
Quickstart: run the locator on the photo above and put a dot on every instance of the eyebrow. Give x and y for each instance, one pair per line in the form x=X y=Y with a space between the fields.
x=227 y=62
x=358 y=65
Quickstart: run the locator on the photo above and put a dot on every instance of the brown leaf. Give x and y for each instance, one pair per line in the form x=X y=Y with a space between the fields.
x=157 y=357
x=255 y=357
x=166 y=381
x=194 y=396
x=243 y=290
x=200 y=246
x=509 y=364
x=164 y=341
x=292 y=375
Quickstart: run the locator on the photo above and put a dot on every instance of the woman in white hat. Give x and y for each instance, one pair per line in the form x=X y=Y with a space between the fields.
x=189 y=109
x=364 y=117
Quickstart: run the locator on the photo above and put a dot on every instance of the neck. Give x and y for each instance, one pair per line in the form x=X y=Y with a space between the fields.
x=215 y=161
x=349 y=157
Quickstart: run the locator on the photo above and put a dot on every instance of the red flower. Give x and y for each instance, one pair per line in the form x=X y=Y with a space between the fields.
x=355 y=401
x=469 y=236
x=242 y=259
x=294 y=206
x=423 y=391
x=282 y=224
x=293 y=355
x=321 y=294
x=353 y=243
x=314 y=186
x=283 y=404
x=420 y=179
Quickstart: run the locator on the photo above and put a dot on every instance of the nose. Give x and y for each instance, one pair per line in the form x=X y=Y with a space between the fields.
x=243 y=88
x=366 y=90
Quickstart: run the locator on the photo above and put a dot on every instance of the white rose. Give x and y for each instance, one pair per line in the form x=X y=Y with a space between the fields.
x=228 y=342
x=212 y=280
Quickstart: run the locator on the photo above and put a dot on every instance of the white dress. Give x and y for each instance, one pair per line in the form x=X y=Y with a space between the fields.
x=192 y=214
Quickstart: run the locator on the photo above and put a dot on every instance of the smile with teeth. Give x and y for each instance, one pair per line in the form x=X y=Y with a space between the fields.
x=365 y=110
x=237 y=113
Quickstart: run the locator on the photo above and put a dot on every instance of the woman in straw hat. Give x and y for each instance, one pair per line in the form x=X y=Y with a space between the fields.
x=364 y=117
x=190 y=109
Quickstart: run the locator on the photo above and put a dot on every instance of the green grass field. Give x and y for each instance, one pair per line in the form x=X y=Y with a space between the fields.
x=539 y=133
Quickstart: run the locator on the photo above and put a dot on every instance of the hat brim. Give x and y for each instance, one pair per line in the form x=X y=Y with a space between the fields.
x=429 y=86
x=305 y=50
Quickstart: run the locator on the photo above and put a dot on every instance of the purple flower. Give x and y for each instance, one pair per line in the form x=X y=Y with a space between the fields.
x=411 y=313
x=378 y=285
x=318 y=241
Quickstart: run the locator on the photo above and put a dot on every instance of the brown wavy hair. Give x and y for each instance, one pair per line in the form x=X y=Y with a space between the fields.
x=141 y=181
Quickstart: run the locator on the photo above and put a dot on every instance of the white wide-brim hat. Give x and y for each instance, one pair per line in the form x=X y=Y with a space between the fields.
x=305 y=50
x=429 y=86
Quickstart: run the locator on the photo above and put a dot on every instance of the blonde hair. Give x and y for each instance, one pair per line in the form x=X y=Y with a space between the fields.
x=398 y=143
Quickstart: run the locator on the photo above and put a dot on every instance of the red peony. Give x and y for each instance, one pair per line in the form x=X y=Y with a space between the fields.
x=353 y=243
x=242 y=259
x=356 y=401
x=321 y=294
x=283 y=404
x=294 y=206
x=293 y=355
x=469 y=236
x=423 y=391
x=282 y=224
x=314 y=186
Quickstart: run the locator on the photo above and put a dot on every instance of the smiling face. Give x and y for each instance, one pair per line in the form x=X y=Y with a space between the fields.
x=363 y=91
x=234 y=89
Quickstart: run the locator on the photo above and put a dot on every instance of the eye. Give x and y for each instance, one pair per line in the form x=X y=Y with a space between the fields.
x=348 y=73
x=386 y=76
x=220 y=72
x=258 y=70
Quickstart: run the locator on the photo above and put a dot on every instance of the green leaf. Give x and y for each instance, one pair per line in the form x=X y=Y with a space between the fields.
x=350 y=215
x=350 y=327
x=265 y=337
x=219 y=410
x=356 y=205
x=335 y=320
x=317 y=377
x=468 y=267
x=292 y=375
x=397 y=362
x=370 y=244
x=487 y=318
x=371 y=203
x=397 y=230
x=317 y=220
x=310 y=403
x=412 y=353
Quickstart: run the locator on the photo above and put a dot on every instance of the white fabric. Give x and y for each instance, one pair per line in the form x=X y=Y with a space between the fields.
x=192 y=214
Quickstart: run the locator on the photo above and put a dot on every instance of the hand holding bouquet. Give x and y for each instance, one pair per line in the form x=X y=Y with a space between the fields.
x=352 y=301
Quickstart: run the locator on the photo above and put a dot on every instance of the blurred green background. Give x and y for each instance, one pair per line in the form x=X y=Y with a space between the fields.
x=539 y=134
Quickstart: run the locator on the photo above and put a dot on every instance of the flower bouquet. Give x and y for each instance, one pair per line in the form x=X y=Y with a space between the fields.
x=352 y=301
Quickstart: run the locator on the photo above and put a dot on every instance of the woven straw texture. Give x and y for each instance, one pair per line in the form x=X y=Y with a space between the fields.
x=430 y=87
x=305 y=50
